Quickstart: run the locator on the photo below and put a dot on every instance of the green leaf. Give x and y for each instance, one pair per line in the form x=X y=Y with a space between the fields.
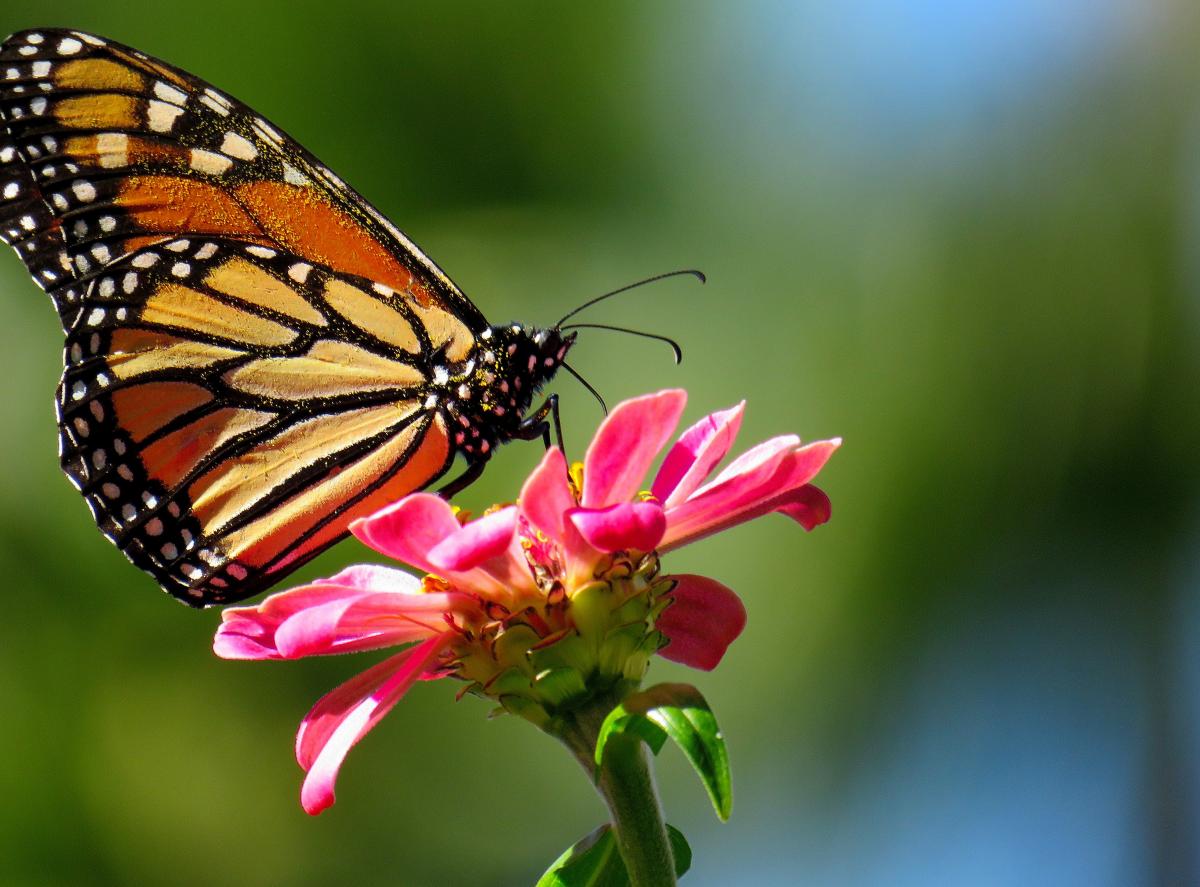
x=680 y=850
x=678 y=711
x=594 y=861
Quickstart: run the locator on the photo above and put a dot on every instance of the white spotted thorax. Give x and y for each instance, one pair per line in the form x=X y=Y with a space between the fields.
x=486 y=397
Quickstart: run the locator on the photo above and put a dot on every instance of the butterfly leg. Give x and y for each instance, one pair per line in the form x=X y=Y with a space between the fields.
x=535 y=425
x=464 y=480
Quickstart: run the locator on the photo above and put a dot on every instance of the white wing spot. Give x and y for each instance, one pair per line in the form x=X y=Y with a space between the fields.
x=96 y=317
x=383 y=289
x=38 y=105
x=34 y=38
x=299 y=272
x=265 y=129
x=40 y=69
x=108 y=286
x=238 y=146
x=293 y=176
x=84 y=190
x=181 y=269
x=144 y=260
x=261 y=251
x=161 y=116
x=112 y=149
x=207 y=251
x=59 y=201
x=169 y=93
x=69 y=46
x=11 y=190
x=209 y=162
x=209 y=102
x=100 y=253
x=129 y=283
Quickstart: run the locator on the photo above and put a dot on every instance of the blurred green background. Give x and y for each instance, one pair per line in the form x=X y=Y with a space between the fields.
x=964 y=236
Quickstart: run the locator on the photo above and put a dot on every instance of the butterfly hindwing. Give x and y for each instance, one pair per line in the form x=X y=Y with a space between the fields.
x=227 y=409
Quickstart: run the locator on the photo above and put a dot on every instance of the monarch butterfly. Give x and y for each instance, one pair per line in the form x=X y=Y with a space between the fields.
x=254 y=355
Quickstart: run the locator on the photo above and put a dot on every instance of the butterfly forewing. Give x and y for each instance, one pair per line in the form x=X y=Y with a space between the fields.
x=249 y=343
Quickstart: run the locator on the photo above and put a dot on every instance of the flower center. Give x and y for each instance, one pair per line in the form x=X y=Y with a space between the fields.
x=568 y=645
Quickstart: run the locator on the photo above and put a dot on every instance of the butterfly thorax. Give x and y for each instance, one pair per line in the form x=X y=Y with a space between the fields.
x=486 y=398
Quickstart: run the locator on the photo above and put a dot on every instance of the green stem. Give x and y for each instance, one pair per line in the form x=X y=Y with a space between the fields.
x=627 y=785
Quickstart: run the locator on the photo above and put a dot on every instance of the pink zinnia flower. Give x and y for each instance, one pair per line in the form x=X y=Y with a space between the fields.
x=545 y=605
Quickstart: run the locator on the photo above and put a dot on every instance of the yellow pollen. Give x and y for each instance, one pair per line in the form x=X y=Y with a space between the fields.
x=434 y=584
x=575 y=475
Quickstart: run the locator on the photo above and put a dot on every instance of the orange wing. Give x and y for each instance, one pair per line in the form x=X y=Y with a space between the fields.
x=250 y=345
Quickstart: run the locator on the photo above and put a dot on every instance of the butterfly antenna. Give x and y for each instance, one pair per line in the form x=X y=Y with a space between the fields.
x=621 y=329
x=587 y=385
x=699 y=275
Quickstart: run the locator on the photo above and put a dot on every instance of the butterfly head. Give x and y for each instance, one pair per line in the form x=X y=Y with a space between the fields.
x=505 y=374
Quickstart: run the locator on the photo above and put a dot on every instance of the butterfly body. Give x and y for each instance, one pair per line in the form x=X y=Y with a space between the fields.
x=254 y=355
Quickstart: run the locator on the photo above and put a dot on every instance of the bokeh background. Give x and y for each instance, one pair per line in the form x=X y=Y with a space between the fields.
x=965 y=236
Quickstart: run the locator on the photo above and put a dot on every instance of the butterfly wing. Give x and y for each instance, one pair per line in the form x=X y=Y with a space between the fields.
x=249 y=342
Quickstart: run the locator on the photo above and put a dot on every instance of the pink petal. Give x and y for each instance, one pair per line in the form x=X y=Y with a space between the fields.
x=695 y=454
x=762 y=487
x=367 y=622
x=703 y=620
x=479 y=541
x=546 y=496
x=488 y=547
x=631 y=525
x=408 y=529
x=330 y=617
x=413 y=527
x=375 y=577
x=344 y=715
x=626 y=444
x=545 y=501
x=760 y=458
x=809 y=507
x=249 y=632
